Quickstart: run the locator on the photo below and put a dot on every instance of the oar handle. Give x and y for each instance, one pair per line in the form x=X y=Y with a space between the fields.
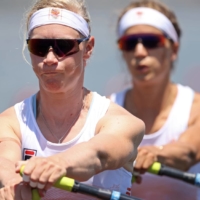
x=178 y=174
x=154 y=169
x=71 y=185
x=159 y=169
x=63 y=183
x=35 y=194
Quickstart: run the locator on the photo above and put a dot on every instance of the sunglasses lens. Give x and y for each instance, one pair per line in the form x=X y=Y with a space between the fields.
x=129 y=42
x=152 y=41
x=64 y=47
x=61 y=47
x=38 y=47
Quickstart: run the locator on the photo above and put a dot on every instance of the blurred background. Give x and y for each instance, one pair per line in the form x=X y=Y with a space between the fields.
x=106 y=71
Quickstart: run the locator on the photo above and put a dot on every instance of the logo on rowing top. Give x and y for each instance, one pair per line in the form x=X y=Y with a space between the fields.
x=29 y=153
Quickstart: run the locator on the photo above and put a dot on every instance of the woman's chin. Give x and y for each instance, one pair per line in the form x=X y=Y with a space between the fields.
x=52 y=85
x=53 y=88
x=145 y=79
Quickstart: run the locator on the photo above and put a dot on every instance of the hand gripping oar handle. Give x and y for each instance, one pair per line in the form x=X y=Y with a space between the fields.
x=160 y=169
x=71 y=185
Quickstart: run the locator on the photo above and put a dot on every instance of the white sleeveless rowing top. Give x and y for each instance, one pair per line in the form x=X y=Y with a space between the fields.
x=34 y=144
x=174 y=126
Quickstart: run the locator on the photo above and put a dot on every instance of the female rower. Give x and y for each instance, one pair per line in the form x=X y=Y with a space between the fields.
x=64 y=129
x=149 y=40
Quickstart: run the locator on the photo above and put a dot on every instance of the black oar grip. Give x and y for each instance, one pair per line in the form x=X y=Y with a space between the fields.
x=174 y=173
x=101 y=193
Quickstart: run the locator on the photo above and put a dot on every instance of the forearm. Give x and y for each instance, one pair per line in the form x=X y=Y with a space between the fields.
x=81 y=161
x=7 y=171
x=178 y=155
x=87 y=159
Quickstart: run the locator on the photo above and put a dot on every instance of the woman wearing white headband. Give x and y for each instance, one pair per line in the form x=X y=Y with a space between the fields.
x=148 y=37
x=65 y=129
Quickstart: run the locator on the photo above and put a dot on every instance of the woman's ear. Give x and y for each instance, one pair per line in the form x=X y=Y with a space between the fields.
x=175 y=49
x=89 y=48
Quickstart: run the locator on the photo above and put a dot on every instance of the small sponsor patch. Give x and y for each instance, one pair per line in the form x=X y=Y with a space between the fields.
x=55 y=13
x=139 y=13
x=29 y=153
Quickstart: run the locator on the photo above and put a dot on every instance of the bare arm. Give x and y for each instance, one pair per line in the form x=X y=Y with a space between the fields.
x=10 y=150
x=118 y=136
x=181 y=154
x=185 y=152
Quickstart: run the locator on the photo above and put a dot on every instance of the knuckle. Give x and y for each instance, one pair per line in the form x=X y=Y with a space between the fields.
x=43 y=179
x=147 y=164
x=144 y=151
x=45 y=161
x=151 y=155
x=52 y=180
x=7 y=189
x=51 y=165
x=33 y=177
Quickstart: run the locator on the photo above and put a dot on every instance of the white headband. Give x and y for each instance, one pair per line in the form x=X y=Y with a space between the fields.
x=58 y=16
x=147 y=16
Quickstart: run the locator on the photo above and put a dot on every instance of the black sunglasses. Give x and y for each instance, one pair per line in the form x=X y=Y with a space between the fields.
x=150 y=41
x=61 y=47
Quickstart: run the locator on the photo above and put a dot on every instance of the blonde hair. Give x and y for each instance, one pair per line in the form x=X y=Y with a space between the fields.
x=156 y=5
x=77 y=6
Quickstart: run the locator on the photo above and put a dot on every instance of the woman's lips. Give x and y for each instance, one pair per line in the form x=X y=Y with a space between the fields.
x=142 y=68
x=50 y=73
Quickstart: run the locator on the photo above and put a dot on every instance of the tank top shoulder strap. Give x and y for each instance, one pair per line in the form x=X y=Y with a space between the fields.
x=34 y=105
x=98 y=107
x=28 y=125
x=183 y=104
x=24 y=111
x=25 y=106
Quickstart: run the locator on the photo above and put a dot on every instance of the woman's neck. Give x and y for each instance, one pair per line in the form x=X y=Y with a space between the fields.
x=151 y=98
x=155 y=96
x=151 y=103
x=63 y=106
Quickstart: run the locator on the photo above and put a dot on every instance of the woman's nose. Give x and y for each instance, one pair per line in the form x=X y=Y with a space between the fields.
x=50 y=58
x=140 y=51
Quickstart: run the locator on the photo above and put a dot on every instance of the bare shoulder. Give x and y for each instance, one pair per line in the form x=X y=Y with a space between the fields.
x=9 y=124
x=10 y=137
x=8 y=114
x=118 y=118
x=116 y=110
x=197 y=99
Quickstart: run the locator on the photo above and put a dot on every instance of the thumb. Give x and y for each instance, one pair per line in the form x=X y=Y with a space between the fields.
x=18 y=165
